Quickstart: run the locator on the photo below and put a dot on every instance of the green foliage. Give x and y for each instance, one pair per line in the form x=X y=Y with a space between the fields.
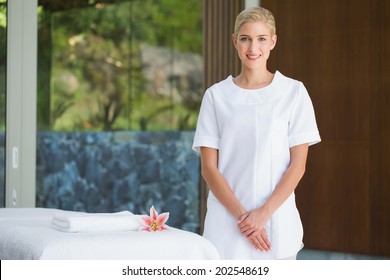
x=90 y=73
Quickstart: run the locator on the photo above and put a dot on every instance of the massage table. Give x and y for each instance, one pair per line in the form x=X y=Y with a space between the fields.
x=28 y=234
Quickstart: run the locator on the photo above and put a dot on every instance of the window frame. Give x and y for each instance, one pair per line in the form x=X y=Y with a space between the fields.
x=21 y=95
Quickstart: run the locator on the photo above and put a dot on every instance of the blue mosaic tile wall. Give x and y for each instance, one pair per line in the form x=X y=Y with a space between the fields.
x=115 y=171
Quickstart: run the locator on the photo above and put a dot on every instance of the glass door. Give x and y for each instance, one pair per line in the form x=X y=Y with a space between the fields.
x=119 y=89
x=3 y=59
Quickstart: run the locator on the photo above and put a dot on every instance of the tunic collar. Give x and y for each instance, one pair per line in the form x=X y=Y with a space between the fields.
x=270 y=93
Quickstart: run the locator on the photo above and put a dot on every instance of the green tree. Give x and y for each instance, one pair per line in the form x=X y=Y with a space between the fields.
x=97 y=44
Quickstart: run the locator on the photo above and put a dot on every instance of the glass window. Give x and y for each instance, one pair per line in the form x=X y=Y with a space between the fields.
x=119 y=88
x=3 y=60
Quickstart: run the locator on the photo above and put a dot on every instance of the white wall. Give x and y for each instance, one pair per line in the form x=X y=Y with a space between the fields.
x=252 y=3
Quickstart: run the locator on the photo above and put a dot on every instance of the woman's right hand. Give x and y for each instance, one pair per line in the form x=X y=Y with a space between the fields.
x=261 y=241
x=254 y=231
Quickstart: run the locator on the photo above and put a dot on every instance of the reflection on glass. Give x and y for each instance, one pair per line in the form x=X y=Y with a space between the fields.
x=3 y=59
x=119 y=88
x=131 y=65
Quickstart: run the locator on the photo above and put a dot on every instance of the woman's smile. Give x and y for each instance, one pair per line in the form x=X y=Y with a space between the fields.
x=253 y=57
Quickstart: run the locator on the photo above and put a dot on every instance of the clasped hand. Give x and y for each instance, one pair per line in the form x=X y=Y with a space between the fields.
x=251 y=224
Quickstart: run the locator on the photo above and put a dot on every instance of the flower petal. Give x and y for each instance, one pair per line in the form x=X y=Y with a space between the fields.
x=164 y=227
x=153 y=213
x=143 y=228
x=146 y=220
x=162 y=218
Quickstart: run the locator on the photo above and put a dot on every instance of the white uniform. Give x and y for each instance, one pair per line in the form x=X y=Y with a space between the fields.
x=253 y=131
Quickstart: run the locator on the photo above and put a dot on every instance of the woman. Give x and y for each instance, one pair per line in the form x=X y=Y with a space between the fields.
x=253 y=134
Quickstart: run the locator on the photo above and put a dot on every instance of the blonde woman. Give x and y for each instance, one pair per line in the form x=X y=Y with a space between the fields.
x=253 y=135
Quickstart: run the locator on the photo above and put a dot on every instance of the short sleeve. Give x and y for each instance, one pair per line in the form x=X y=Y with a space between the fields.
x=207 y=131
x=303 y=126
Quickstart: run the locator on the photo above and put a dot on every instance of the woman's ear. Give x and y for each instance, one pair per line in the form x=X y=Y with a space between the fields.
x=273 y=40
x=234 y=39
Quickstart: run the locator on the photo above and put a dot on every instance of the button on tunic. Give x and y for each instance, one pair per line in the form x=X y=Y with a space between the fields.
x=253 y=131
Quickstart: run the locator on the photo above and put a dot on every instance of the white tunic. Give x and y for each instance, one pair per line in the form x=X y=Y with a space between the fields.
x=253 y=131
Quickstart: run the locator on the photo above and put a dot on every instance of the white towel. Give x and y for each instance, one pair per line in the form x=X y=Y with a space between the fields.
x=94 y=222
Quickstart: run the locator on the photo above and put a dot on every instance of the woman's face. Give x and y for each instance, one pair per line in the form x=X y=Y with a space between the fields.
x=254 y=43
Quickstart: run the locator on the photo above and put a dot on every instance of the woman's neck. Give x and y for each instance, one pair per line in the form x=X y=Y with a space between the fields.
x=254 y=79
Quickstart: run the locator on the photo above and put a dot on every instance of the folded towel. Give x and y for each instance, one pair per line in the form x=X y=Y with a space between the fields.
x=94 y=222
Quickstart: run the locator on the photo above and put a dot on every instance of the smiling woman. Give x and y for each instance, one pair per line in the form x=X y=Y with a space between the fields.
x=253 y=134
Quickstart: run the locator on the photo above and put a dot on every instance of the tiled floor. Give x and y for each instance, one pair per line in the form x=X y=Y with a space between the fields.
x=308 y=254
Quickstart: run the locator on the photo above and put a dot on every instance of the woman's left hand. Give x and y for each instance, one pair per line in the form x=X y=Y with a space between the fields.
x=251 y=225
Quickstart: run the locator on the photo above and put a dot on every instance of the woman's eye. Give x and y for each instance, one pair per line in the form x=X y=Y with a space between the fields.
x=244 y=39
x=262 y=39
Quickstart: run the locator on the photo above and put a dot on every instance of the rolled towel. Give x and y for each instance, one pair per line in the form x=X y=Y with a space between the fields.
x=95 y=222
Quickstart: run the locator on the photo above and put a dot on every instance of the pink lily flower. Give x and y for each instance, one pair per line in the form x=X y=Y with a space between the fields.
x=154 y=222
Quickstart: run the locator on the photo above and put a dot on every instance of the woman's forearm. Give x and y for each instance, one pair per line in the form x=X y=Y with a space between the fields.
x=217 y=183
x=290 y=179
x=252 y=223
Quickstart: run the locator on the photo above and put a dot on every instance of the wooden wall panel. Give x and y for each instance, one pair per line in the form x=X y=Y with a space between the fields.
x=333 y=199
x=380 y=128
x=220 y=58
x=340 y=50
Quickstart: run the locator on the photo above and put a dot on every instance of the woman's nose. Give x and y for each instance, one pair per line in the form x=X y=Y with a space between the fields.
x=252 y=46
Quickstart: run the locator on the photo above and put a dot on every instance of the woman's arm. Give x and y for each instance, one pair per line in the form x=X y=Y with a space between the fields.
x=222 y=191
x=217 y=183
x=252 y=223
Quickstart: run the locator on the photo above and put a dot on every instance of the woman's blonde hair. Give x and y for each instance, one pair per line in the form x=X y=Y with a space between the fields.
x=254 y=14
